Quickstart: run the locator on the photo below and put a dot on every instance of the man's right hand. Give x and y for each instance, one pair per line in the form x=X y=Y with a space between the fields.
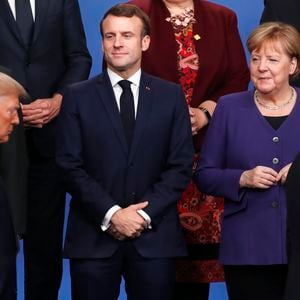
x=127 y=222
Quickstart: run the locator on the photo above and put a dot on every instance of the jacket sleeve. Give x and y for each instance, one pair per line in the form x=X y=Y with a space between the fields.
x=78 y=60
x=84 y=188
x=212 y=175
x=165 y=194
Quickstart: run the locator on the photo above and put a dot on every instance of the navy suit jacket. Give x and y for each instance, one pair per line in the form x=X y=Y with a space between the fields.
x=102 y=171
x=57 y=57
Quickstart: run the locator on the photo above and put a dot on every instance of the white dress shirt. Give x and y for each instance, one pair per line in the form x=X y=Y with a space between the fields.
x=114 y=79
x=12 y=4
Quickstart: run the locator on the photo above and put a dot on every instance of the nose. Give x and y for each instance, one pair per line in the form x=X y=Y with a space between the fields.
x=15 y=119
x=262 y=66
x=117 y=42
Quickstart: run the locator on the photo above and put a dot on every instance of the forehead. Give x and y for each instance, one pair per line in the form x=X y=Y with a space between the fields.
x=9 y=101
x=122 y=24
x=271 y=47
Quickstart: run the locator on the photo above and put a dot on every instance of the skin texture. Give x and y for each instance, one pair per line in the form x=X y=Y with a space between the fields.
x=9 y=105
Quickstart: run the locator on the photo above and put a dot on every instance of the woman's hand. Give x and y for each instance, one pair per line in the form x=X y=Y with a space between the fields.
x=260 y=177
x=283 y=173
x=198 y=119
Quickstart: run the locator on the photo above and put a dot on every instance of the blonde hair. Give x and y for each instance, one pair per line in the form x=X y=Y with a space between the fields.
x=277 y=32
x=9 y=86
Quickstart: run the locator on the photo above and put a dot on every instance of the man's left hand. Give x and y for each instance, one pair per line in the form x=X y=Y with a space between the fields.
x=41 y=111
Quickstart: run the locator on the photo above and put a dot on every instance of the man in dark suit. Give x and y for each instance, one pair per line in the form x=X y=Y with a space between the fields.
x=125 y=145
x=10 y=91
x=43 y=44
x=287 y=11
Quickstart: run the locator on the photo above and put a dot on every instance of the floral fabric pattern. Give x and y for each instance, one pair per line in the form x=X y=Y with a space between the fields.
x=199 y=213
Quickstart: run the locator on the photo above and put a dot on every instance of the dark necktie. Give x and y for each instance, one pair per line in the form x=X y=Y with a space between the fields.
x=127 y=110
x=24 y=20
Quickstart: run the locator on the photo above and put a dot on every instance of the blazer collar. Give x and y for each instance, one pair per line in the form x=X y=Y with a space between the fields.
x=143 y=112
x=8 y=18
x=41 y=8
x=107 y=97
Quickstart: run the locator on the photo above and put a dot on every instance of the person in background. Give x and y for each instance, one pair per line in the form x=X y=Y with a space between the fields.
x=287 y=11
x=43 y=44
x=246 y=156
x=10 y=92
x=125 y=145
x=196 y=44
x=293 y=211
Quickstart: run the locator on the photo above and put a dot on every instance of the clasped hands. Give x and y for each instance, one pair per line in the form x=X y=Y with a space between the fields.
x=263 y=177
x=41 y=111
x=127 y=222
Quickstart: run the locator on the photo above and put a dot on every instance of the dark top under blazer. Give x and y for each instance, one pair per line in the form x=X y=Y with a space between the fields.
x=57 y=57
x=240 y=138
x=92 y=150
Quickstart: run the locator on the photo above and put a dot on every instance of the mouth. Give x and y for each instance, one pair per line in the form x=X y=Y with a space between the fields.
x=119 y=54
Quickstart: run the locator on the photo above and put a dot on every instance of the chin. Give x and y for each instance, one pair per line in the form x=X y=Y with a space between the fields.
x=4 y=139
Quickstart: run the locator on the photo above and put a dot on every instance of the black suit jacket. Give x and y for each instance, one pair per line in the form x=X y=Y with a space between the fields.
x=57 y=57
x=102 y=171
x=293 y=225
x=286 y=11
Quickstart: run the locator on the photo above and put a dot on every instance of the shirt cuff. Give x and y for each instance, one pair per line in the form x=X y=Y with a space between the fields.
x=146 y=217
x=106 y=220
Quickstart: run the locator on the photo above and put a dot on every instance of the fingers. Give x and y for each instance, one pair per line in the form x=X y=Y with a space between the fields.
x=140 y=205
x=259 y=177
x=283 y=173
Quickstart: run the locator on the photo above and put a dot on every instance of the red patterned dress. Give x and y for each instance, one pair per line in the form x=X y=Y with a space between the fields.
x=199 y=213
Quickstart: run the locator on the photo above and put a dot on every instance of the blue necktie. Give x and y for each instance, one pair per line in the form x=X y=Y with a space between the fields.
x=24 y=19
x=127 y=110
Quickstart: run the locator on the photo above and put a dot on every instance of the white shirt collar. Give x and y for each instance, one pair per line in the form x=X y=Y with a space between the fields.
x=115 y=78
x=12 y=4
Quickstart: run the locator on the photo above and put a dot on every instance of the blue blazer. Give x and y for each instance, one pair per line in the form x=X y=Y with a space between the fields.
x=238 y=139
x=101 y=170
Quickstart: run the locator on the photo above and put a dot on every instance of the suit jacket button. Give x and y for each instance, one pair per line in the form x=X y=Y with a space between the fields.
x=275 y=161
x=275 y=204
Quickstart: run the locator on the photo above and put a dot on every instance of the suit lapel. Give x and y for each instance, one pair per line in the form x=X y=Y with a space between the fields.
x=41 y=8
x=144 y=109
x=8 y=17
x=107 y=97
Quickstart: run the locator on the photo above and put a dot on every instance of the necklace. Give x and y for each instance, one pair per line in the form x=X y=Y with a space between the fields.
x=273 y=107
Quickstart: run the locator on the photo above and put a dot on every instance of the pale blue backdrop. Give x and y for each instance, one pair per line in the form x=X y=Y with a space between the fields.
x=248 y=12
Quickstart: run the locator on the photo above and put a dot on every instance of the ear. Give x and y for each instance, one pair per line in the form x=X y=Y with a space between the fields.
x=293 y=65
x=145 y=42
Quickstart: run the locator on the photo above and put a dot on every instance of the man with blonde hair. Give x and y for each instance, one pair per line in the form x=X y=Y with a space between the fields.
x=10 y=92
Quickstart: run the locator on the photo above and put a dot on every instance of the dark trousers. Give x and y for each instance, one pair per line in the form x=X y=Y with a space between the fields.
x=145 y=278
x=43 y=240
x=8 y=282
x=255 y=282
x=191 y=291
x=8 y=250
